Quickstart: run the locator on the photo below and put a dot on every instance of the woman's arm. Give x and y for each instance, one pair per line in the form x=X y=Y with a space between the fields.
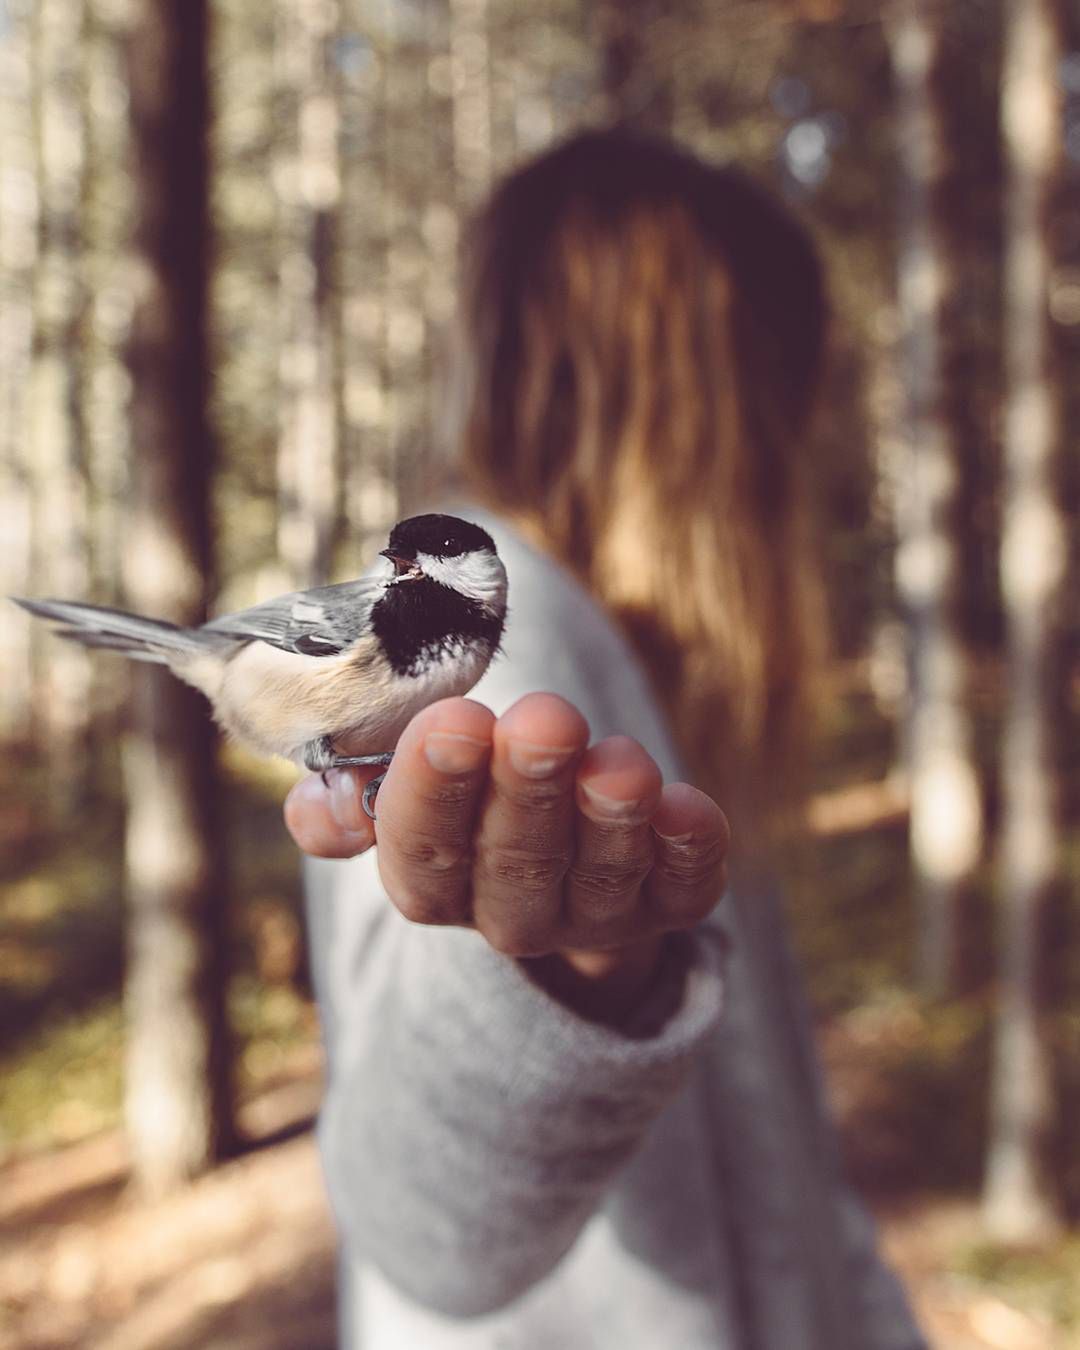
x=487 y=1085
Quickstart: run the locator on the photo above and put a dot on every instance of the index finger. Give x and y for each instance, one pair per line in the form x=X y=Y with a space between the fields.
x=426 y=807
x=324 y=815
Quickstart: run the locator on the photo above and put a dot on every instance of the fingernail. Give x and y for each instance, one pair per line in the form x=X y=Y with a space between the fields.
x=677 y=840
x=449 y=752
x=345 y=801
x=612 y=807
x=538 y=761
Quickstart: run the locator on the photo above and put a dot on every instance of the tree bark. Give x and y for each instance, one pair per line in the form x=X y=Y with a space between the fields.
x=470 y=75
x=18 y=256
x=108 y=215
x=309 y=191
x=636 y=86
x=1018 y=1201
x=56 y=431
x=946 y=809
x=370 y=486
x=177 y=1089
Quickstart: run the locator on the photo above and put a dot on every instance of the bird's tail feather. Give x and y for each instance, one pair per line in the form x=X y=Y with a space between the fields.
x=115 y=630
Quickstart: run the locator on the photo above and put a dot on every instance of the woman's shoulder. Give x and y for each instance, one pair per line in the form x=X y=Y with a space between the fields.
x=560 y=639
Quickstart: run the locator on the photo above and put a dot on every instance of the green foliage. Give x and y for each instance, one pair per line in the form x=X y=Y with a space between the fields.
x=1045 y=1282
x=62 y=949
x=917 y=1079
x=64 y=1080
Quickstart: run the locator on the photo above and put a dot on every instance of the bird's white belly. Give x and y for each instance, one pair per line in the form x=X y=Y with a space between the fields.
x=277 y=701
x=447 y=679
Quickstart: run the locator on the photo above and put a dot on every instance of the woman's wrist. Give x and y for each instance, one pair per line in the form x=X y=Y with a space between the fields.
x=601 y=986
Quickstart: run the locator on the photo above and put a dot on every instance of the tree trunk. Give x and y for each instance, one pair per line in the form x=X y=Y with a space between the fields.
x=471 y=82
x=946 y=812
x=1018 y=1202
x=309 y=191
x=442 y=227
x=370 y=488
x=107 y=226
x=636 y=84
x=177 y=1089
x=57 y=456
x=18 y=255
x=407 y=150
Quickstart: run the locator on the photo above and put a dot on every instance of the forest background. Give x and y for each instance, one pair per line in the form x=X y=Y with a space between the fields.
x=228 y=243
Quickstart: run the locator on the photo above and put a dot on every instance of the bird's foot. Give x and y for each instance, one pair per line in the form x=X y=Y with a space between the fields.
x=371 y=788
x=320 y=757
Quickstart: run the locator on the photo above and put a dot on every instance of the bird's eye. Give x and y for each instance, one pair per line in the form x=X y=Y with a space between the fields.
x=448 y=543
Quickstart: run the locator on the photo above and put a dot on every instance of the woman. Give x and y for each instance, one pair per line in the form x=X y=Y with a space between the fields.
x=573 y=1103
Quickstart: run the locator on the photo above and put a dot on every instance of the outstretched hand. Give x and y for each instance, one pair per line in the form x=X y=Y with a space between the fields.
x=550 y=849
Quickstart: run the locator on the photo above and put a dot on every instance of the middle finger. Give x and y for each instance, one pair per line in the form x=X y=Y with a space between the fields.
x=525 y=837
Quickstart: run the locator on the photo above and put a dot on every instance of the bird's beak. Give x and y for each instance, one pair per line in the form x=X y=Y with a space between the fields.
x=405 y=569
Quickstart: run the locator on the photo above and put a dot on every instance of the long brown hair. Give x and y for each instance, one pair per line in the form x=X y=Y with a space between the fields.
x=641 y=336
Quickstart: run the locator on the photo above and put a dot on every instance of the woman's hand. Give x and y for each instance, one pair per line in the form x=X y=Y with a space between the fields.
x=551 y=850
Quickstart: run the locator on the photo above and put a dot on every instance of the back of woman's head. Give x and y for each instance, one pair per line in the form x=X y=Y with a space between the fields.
x=641 y=343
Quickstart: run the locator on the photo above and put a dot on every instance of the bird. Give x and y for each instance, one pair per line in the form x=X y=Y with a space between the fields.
x=330 y=677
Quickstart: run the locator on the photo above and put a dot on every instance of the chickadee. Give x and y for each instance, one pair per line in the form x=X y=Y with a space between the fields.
x=332 y=676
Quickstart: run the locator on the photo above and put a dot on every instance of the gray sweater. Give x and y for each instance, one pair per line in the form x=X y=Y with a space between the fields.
x=508 y=1176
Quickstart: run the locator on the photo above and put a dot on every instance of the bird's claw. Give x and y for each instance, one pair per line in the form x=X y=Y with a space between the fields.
x=371 y=789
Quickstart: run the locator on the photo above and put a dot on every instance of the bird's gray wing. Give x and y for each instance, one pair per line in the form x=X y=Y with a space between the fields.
x=319 y=622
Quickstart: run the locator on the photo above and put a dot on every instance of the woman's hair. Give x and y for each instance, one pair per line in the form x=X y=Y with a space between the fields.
x=641 y=342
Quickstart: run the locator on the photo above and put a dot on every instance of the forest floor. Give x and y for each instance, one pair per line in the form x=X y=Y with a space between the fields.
x=244 y=1259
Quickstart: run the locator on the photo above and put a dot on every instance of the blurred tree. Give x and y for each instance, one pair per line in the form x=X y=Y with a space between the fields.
x=636 y=86
x=405 y=154
x=253 y=135
x=18 y=258
x=177 y=1087
x=470 y=75
x=370 y=482
x=309 y=189
x=57 y=431
x=946 y=811
x=440 y=223
x=106 y=263
x=1019 y=1203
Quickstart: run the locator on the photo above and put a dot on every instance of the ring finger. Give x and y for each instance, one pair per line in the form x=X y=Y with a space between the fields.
x=618 y=790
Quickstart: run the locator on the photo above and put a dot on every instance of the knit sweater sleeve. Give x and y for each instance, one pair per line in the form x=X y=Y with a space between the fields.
x=472 y=1124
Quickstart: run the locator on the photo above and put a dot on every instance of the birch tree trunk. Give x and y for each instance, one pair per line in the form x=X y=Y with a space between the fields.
x=471 y=83
x=177 y=1088
x=946 y=810
x=309 y=190
x=56 y=430
x=1018 y=1201
x=441 y=223
x=370 y=487
x=407 y=188
x=18 y=255
x=108 y=215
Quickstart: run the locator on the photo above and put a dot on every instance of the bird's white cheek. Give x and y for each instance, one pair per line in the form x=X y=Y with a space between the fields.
x=480 y=575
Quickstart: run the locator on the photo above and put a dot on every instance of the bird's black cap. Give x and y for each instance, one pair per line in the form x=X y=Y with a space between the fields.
x=438 y=536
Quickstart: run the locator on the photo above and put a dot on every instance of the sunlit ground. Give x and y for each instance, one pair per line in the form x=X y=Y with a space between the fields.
x=61 y=956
